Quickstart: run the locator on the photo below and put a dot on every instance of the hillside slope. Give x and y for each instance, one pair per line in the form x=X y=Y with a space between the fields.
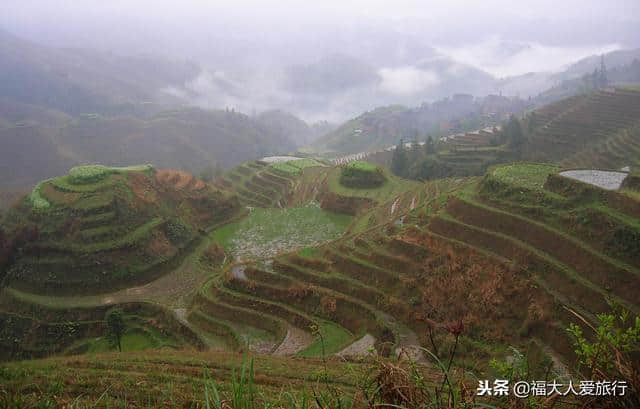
x=98 y=229
x=85 y=81
x=189 y=139
x=598 y=129
x=426 y=244
x=405 y=265
x=384 y=126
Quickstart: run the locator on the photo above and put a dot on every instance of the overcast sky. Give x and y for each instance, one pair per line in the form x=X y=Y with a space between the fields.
x=444 y=22
x=250 y=40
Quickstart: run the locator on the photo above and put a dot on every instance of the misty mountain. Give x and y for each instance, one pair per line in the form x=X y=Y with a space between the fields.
x=367 y=68
x=384 y=126
x=331 y=74
x=291 y=127
x=71 y=106
x=63 y=107
x=628 y=73
x=189 y=139
x=13 y=113
x=85 y=81
x=456 y=78
x=612 y=59
x=568 y=82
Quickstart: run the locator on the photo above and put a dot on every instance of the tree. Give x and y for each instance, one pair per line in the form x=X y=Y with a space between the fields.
x=604 y=81
x=206 y=174
x=533 y=121
x=513 y=132
x=115 y=326
x=595 y=79
x=429 y=148
x=399 y=160
x=415 y=147
x=218 y=171
x=424 y=169
x=210 y=172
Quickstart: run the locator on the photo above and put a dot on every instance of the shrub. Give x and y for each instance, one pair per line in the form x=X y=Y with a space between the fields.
x=82 y=175
x=213 y=255
x=361 y=175
x=38 y=202
x=178 y=233
x=115 y=324
x=611 y=353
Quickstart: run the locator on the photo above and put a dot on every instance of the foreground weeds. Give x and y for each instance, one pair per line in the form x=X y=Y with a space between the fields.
x=609 y=354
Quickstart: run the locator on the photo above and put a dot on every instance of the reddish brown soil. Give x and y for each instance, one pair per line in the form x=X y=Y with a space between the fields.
x=343 y=204
x=556 y=279
x=159 y=245
x=142 y=187
x=198 y=185
x=487 y=296
x=55 y=196
x=596 y=269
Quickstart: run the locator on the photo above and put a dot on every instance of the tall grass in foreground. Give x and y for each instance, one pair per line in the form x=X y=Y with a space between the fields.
x=612 y=355
x=243 y=391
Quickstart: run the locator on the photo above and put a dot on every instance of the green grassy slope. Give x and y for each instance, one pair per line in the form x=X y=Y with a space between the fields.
x=160 y=378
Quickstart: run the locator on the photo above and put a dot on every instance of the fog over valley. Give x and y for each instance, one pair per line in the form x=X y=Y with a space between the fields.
x=336 y=60
x=206 y=85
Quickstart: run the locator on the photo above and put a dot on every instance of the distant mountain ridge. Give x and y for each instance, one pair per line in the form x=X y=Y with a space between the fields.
x=384 y=126
x=64 y=107
x=189 y=139
x=84 y=81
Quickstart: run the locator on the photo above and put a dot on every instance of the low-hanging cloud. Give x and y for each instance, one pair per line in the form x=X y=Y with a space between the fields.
x=406 y=80
x=504 y=58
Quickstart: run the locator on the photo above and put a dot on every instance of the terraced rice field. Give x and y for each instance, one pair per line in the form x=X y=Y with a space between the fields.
x=295 y=167
x=523 y=244
x=569 y=245
x=267 y=232
x=306 y=309
x=596 y=130
x=258 y=184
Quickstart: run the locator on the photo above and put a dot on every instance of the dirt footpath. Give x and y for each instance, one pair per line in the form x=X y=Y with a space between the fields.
x=361 y=347
x=295 y=341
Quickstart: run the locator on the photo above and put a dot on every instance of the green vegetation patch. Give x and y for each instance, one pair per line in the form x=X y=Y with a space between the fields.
x=134 y=339
x=65 y=184
x=330 y=338
x=294 y=167
x=82 y=175
x=530 y=176
x=309 y=252
x=362 y=166
x=92 y=202
x=382 y=193
x=38 y=202
x=361 y=174
x=266 y=232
